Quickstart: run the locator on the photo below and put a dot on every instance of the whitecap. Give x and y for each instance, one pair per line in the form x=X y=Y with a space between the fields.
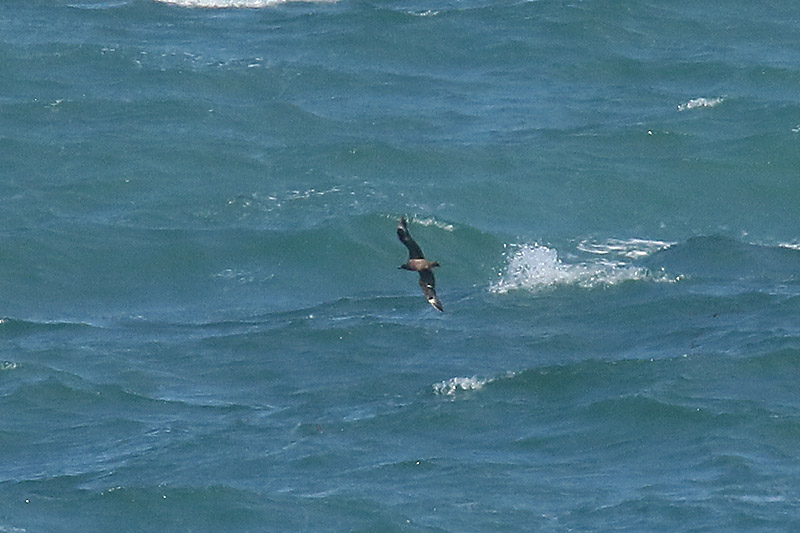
x=99 y=5
x=240 y=276
x=629 y=248
x=700 y=102
x=433 y=222
x=453 y=385
x=533 y=267
x=304 y=195
x=8 y=365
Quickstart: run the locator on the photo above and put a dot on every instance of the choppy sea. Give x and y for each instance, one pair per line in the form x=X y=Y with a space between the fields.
x=202 y=323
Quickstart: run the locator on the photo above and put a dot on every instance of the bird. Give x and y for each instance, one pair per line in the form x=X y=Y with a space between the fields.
x=417 y=263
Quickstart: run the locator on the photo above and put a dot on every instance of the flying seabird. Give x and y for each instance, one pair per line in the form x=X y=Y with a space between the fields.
x=418 y=263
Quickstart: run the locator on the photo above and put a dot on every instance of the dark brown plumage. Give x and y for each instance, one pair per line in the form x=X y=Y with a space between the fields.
x=417 y=263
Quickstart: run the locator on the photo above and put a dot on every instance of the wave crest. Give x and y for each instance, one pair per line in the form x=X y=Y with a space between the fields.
x=627 y=248
x=430 y=221
x=535 y=267
x=699 y=102
x=453 y=385
x=248 y=4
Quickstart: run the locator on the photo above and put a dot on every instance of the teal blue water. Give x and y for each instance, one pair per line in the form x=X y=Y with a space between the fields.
x=204 y=327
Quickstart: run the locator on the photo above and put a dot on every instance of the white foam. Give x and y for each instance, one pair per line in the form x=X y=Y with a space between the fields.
x=8 y=365
x=98 y=5
x=304 y=195
x=12 y=529
x=433 y=222
x=453 y=385
x=790 y=245
x=629 y=248
x=700 y=102
x=248 y=4
x=533 y=267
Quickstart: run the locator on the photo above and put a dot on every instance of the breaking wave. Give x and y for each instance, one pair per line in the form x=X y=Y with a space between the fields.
x=533 y=267
x=452 y=386
x=430 y=221
x=699 y=102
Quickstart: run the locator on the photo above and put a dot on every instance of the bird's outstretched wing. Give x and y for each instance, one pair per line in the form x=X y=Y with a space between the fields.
x=414 y=251
x=428 y=284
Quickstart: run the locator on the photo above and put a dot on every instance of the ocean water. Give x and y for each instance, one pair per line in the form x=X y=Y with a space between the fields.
x=204 y=327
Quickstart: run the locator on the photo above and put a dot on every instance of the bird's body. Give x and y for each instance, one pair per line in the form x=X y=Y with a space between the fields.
x=417 y=263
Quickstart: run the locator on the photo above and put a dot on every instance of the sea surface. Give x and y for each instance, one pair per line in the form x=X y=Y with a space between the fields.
x=202 y=322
